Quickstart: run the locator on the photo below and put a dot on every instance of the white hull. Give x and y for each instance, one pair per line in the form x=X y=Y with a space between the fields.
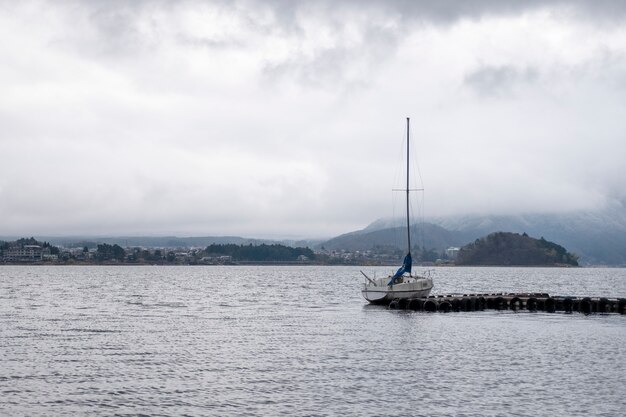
x=378 y=292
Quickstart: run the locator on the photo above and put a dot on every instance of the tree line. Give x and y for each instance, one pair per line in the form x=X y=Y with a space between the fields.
x=260 y=253
x=107 y=253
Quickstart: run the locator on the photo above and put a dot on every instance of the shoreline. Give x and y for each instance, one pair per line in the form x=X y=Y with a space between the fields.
x=299 y=263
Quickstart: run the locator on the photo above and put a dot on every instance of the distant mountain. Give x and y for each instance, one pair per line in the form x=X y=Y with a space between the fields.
x=428 y=235
x=598 y=237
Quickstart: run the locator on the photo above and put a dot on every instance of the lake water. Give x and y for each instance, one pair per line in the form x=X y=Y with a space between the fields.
x=233 y=341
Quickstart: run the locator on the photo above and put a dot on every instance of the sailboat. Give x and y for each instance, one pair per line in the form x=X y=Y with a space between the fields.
x=402 y=284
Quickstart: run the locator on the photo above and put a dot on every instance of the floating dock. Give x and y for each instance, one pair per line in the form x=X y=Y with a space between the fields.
x=511 y=301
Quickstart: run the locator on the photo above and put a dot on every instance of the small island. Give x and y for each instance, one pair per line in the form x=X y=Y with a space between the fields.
x=513 y=249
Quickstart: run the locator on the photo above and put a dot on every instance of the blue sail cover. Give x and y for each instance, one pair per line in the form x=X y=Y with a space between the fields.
x=406 y=267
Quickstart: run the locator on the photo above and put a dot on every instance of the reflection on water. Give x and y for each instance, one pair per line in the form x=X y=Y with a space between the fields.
x=299 y=341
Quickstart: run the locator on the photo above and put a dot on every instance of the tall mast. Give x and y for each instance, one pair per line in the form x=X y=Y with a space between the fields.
x=408 y=228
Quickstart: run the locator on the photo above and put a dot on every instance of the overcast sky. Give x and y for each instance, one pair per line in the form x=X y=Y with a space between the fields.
x=286 y=119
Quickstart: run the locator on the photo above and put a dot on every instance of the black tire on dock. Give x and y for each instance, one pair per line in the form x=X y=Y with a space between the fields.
x=499 y=303
x=445 y=306
x=568 y=305
x=430 y=305
x=456 y=304
x=541 y=303
x=621 y=306
x=465 y=304
x=604 y=305
x=550 y=305
x=586 y=305
x=531 y=304
x=515 y=303
x=403 y=303
x=416 y=304
x=394 y=305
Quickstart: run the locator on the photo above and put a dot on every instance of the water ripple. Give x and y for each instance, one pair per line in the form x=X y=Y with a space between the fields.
x=299 y=341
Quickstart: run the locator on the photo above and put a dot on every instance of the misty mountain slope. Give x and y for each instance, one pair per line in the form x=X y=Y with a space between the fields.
x=428 y=235
x=598 y=237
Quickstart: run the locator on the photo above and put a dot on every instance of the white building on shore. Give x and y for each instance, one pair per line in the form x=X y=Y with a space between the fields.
x=27 y=253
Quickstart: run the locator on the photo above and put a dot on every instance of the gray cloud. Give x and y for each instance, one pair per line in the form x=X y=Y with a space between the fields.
x=499 y=80
x=409 y=12
x=136 y=29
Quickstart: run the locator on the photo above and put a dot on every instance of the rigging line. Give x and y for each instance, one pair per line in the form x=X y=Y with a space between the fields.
x=416 y=168
x=408 y=164
x=417 y=219
x=423 y=219
x=399 y=171
x=421 y=203
x=399 y=178
x=393 y=213
x=416 y=176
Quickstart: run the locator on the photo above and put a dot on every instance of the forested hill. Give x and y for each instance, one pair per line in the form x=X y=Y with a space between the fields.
x=508 y=249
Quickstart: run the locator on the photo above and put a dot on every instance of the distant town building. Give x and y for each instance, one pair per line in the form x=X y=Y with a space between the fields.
x=216 y=260
x=27 y=253
x=452 y=252
x=50 y=258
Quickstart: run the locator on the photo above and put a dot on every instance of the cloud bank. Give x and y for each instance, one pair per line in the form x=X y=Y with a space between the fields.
x=286 y=119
